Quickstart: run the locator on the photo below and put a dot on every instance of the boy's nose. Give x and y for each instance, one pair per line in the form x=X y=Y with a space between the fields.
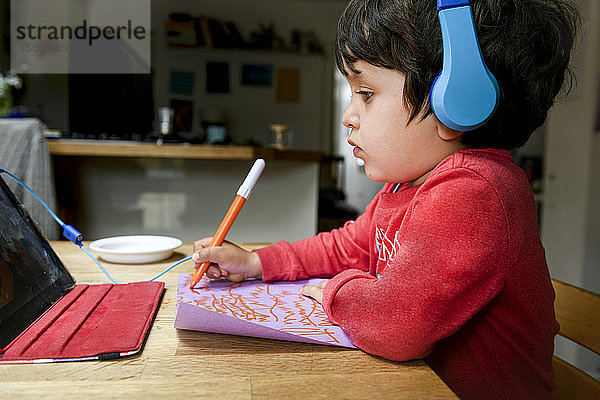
x=350 y=119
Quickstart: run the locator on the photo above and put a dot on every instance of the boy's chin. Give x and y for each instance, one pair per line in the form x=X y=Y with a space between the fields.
x=373 y=174
x=380 y=176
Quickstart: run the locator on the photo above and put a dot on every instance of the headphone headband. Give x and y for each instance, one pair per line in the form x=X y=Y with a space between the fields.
x=443 y=4
x=465 y=94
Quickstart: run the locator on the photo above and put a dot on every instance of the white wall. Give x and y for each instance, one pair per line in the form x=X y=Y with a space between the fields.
x=571 y=154
x=250 y=109
x=571 y=219
x=568 y=159
x=591 y=267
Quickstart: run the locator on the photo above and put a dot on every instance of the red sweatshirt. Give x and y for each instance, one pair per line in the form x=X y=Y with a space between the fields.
x=452 y=271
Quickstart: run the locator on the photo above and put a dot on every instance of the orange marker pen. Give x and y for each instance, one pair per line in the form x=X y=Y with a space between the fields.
x=242 y=195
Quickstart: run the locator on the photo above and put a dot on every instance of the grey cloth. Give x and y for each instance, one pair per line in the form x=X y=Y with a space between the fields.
x=24 y=153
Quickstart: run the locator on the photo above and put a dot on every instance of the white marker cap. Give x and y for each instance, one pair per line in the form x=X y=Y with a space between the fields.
x=245 y=189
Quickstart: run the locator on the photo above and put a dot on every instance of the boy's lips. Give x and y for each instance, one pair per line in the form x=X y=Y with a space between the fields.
x=356 y=150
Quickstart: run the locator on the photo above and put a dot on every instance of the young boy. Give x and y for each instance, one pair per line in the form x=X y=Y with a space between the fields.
x=446 y=263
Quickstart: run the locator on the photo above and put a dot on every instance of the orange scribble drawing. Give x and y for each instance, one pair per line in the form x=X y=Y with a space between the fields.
x=277 y=306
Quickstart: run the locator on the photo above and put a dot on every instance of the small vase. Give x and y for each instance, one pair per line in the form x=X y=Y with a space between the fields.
x=5 y=104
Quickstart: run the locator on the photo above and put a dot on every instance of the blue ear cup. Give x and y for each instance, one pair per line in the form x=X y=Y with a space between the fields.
x=465 y=94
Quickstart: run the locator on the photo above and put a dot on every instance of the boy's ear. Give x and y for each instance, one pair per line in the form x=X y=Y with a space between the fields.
x=446 y=133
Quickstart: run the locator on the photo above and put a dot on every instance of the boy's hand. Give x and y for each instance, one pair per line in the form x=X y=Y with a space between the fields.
x=228 y=261
x=316 y=292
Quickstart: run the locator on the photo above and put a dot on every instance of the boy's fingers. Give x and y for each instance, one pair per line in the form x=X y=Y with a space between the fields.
x=202 y=243
x=235 y=277
x=212 y=254
x=205 y=242
x=315 y=292
x=213 y=272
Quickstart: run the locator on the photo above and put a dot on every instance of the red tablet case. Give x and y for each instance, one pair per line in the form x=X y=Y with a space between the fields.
x=91 y=322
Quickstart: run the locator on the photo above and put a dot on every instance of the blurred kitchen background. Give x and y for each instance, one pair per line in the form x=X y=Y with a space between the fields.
x=231 y=69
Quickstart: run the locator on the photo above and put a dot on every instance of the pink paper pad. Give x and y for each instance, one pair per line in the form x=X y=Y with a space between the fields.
x=258 y=309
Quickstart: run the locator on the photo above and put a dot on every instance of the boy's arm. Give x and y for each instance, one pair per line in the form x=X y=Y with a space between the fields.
x=449 y=264
x=323 y=255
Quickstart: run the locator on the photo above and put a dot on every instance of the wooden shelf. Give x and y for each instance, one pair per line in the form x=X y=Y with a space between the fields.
x=210 y=51
x=100 y=148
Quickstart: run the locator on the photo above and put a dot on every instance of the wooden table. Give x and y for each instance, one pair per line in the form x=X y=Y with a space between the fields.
x=188 y=364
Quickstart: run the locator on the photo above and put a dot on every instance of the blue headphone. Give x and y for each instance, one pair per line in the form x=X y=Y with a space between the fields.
x=465 y=94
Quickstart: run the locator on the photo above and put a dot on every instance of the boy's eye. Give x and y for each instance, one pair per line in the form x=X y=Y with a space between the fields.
x=364 y=94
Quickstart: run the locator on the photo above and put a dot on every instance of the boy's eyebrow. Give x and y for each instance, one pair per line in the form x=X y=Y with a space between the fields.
x=353 y=73
x=350 y=69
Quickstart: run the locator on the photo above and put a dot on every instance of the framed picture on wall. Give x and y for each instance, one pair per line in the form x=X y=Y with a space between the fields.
x=287 y=85
x=257 y=75
x=217 y=77
x=181 y=82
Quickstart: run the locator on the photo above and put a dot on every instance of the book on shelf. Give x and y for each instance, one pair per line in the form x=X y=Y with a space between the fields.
x=181 y=34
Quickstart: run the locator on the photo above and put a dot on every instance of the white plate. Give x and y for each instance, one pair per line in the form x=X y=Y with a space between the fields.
x=137 y=249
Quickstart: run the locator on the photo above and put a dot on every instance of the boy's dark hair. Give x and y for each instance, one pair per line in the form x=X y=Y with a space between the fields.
x=526 y=44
